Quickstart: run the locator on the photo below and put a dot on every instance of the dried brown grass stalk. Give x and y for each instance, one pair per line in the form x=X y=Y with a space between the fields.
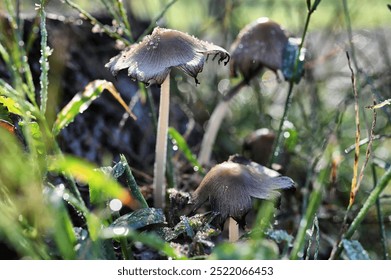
x=354 y=185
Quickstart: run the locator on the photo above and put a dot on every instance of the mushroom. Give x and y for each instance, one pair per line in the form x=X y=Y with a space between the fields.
x=259 y=145
x=231 y=185
x=259 y=44
x=150 y=62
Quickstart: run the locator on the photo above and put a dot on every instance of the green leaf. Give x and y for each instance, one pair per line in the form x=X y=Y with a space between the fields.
x=64 y=235
x=37 y=139
x=131 y=182
x=316 y=3
x=11 y=105
x=81 y=101
x=280 y=236
x=86 y=249
x=293 y=61
x=101 y=185
x=136 y=220
x=118 y=170
x=182 y=145
x=354 y=250
x=186 y=225
x=292 y=140
x=308 y=5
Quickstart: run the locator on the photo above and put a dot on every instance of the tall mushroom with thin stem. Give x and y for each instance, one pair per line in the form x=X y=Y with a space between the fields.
x=150 y=62
x=231 y=185
x=258 y=45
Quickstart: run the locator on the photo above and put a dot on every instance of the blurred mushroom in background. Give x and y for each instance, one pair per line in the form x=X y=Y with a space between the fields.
x=258 y=145
x=259 y=45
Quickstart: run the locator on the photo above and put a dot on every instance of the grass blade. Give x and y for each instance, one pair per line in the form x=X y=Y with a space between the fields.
x=182 y=145
x=81 y=101
x=131 y=182
x=45 y=53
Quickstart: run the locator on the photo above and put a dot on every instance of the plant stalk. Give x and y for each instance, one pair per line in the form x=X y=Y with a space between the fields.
x=307 y=219
x=382 y=230
x=159 y=184
x=311 y=10
x=277 y=143
x=371 y=200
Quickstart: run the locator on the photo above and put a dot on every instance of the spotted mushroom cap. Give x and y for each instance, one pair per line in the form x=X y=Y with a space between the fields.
x=151 y=60
x=230 y=186
x=259 y=44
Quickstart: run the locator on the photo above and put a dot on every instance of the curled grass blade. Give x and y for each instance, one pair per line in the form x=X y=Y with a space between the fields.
x=81 y=101
x=131 y=182
x=101 y=185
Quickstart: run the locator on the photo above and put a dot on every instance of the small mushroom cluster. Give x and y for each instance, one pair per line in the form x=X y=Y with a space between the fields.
x=150 y=62
x=231 y=185
x=261 y=44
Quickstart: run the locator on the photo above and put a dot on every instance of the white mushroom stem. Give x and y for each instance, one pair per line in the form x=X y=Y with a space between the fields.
x=159 y=184
x=233 y=230
x=214 y=124
x=212 y=129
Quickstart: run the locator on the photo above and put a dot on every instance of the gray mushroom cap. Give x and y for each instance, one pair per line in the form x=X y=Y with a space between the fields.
x=230 y=187
x=259 y=44
x=151 y=60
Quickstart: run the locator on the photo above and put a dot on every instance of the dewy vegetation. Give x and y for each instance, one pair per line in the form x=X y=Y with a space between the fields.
x=306 y=133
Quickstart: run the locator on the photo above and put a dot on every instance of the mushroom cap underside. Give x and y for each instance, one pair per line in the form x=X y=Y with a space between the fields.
x=151 y=60
x=230 y=187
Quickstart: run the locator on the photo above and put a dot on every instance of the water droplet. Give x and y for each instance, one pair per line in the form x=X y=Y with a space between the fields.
x=65 y=196
x=120 y=230
x=195 y=168
x=175 y=148
x=115 y=204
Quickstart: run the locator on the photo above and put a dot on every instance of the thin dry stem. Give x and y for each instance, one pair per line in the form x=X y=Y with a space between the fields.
x=354 y=186
x=369 y=148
